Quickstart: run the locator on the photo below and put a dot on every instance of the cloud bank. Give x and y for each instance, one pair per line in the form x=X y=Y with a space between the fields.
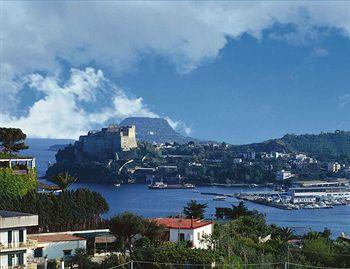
x=63 y=111
x=36 y=37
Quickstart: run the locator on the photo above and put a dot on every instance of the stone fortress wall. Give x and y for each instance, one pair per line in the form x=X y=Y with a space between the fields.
x=104 y=144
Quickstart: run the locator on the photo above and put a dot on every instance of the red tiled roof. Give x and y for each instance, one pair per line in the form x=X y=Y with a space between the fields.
x=43 y=238
x=179 y=223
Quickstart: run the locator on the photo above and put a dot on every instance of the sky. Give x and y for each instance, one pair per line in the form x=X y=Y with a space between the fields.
x=231 y=71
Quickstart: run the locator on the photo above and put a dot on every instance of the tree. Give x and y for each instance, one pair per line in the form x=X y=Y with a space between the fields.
x=193 y=209
x=286 y=233
x=12 y=140
x=127 y=225
x=153 y=231
x=82 y=260
x=64 y=180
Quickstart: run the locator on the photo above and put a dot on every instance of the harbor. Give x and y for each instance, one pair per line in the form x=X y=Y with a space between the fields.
x=319 y=194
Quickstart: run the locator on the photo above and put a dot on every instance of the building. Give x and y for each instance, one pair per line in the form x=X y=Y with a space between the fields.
x=19 y=165
x=192 y=230
x=334 y=167
x=283 y=175
x=105 y=144
x=13 y=238
x=338 y=182
x=57 y=246
x=311 y=194
x=237 y=160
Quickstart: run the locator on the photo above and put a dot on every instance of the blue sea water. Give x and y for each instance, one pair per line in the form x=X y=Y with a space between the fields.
x=154 y=203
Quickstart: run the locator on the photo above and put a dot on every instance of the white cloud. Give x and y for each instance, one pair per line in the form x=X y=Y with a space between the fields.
x=117 y=34
x=179 y=126
x=38 y=36
x=61 y=113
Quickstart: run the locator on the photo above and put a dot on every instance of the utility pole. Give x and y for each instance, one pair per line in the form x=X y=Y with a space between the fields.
x=132 y=264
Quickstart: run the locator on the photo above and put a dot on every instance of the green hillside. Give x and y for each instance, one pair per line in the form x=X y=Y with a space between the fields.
x=324 y=146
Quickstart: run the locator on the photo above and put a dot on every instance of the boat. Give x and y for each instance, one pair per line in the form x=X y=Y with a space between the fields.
x=162 y=185
x=158 y=185
x=219 y=198
x=116 y=185
x=309 y=206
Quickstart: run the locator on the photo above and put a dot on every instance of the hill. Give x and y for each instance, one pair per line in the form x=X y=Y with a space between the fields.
x=155 y=130
x=324 y=146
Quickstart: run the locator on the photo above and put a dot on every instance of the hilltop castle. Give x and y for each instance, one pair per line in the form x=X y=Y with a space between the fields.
x=104 y=144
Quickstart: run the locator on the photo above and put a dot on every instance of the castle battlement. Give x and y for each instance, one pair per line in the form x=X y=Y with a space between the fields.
x=104 y=144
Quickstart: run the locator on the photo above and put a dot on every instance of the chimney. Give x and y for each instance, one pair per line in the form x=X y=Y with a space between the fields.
x=192 y=222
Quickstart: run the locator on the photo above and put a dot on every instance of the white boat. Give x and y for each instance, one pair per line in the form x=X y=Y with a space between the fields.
x=310 y=206
x=116 y=185
x=158 y=185
x=219 y=198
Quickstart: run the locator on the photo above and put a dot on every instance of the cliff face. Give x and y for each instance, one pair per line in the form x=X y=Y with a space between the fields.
x=155 y=130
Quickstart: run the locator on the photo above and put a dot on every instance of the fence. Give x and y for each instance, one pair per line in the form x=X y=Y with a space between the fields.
x=157 y=265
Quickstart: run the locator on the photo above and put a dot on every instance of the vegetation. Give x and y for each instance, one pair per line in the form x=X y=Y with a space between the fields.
x=64 y=180
x=234 y=212
x=128 y=225
x=12 y=140
x=194 y=210
x=246 y=239
x=325 y=146
x=17 y=185
x=70 y=210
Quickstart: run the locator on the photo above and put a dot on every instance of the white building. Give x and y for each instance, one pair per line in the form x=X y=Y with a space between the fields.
x=283 y=175
x=57 y=246
x=192 y=230
x=13 y=238
x=310 y=194
x=237 y=160
x=334 y=167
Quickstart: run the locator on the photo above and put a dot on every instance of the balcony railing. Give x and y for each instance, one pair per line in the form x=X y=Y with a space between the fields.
x=18 y=245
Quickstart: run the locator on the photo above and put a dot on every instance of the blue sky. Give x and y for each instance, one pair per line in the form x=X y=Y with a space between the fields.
x=227 y=71
x=254 y=90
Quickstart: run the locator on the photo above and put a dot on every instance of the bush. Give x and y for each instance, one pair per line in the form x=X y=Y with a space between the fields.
x=17 y=185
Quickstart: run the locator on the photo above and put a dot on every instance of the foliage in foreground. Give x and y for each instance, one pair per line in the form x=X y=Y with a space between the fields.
x=12 y=140
x=70 y=210
x=17 y=185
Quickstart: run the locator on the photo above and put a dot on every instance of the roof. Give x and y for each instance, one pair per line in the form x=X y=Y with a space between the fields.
x=59 y=237
x=181 y=223
x=9 y=219
x=11 y=214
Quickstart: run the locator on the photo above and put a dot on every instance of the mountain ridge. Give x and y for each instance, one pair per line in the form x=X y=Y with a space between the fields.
x=156 y=130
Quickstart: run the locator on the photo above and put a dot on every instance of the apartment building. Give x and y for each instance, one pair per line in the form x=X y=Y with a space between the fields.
x=13 y=238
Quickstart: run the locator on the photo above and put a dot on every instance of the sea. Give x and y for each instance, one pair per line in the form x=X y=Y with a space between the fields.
x=139 y=199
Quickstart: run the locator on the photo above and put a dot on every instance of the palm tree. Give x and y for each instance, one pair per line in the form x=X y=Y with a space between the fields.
x=64 y=180
x=286 y=233
x=195 y=210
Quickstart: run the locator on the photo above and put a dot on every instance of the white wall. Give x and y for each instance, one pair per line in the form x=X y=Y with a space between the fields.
x=54 y=250
x=192 y=235
x=15 y=243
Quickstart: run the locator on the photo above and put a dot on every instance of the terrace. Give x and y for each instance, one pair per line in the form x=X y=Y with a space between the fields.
x=19 y=165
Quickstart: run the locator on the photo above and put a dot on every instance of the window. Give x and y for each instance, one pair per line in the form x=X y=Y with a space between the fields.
x=20 y=258
x=10 y=260
x=199 y=236
x=67 y=252
x=21 y=236
x=9 y=237
x=181 y=237
x=38 y=252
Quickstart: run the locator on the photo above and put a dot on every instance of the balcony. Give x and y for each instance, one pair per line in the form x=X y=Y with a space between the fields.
x=18 y=246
